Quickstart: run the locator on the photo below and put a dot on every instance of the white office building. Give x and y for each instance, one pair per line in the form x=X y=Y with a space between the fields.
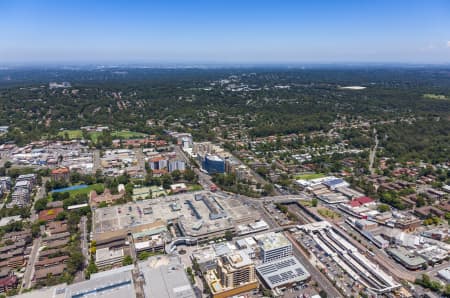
x=273 y=246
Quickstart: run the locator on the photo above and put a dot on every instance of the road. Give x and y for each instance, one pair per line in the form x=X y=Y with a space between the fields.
x=84 y=245
x=96 y=160
x=29 y=270
x=41 y=193
x=321 y=279
x=132 y=248
x=316 y=275
x=203 y=179
x=373 y=153
x=140 y=159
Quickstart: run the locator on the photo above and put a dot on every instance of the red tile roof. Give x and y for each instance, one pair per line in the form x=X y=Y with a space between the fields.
x=8 y=281
x=60 y=171
x=354 y=203
x=364 y=200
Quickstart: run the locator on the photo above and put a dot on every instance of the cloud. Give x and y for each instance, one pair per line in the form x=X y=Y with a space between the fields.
x=448 y=44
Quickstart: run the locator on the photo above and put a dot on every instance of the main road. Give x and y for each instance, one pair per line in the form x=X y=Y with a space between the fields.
x=29 y=270
x=323 y=282
x=373 y=153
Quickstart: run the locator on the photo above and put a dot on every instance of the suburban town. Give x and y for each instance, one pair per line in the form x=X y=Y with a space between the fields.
x=160 y=217
x=225 y=149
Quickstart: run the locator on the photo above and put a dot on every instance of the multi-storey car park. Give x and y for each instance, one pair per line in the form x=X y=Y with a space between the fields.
x=200 y=216
x=349 y=258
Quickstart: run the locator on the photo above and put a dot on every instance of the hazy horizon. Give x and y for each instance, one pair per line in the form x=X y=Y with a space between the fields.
x=231 y=32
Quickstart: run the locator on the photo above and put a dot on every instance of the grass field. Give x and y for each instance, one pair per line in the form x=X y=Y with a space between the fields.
x=328 y=213
x=121 y=134
x=305 y=203
x=99 y=188
x=309 y=176
x=195 y=187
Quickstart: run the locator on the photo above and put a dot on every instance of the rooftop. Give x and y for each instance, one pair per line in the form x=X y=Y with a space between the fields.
x=165 y=276
x=281 y=272
x=407 y=257
x=103 y=254
x=272 y=240
x=445 y=274
x=188 y=212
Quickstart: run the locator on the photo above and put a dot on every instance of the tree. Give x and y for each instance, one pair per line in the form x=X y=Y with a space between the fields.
x=267 y=293
x=383 y=208
x=40 y=204
x=189 y=175
x=75 y=262
x=91 y=268
x=420 y=202
x=314 y=202
x=228 y=235
x=323 y=294
x=62 y=216
x=446 y=291
x=127 y=261
x=166 y=181
x=268 y=189
x=35 y=229
x=176 y=175
x=75 y=177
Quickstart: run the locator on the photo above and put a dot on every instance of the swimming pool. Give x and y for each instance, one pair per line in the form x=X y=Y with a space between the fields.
x=74 y=187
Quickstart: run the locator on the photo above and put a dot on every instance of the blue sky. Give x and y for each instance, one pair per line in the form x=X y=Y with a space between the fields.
x=220 y=31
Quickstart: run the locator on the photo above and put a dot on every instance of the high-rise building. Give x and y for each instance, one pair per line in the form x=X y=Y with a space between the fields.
x=236 y=274
x=212 y=164
x=177 y=165
x=158 y=163
x=274 y=246
x=6 y=182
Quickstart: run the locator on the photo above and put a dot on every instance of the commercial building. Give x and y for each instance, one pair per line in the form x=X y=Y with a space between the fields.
x=213 y=164
x=165 y=276
x=283 y=272
x=205 y=257
x=193 y=219
x=235 y=274
x=433 y=254
x=408 y=223
x=116 y=283
x=335 y=183
x=347 y=256
x=255 y=227
x=106 y=257
x=106 y=197
x=60 y=174
x=445 y=274
x=274 y=246
x=151 y=240
x=408 y=259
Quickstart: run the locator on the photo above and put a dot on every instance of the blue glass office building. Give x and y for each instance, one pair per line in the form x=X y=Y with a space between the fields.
x=213 y=164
